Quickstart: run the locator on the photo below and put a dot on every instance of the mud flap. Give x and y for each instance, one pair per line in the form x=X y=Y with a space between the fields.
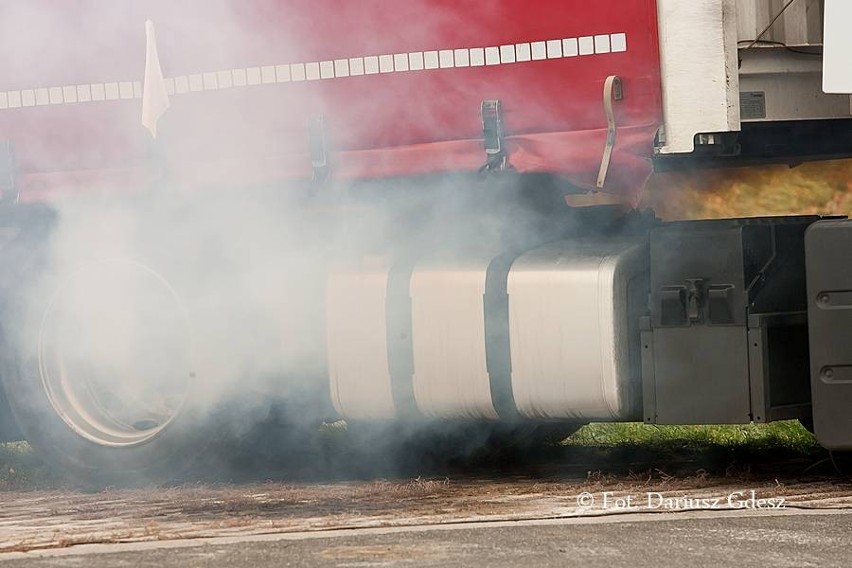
x=828 y=246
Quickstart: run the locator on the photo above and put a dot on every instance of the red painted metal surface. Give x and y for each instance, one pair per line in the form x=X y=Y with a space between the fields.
x=386 y=124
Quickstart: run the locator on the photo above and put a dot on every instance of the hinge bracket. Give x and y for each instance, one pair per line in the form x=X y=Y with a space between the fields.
x=318 y=147
x=493 y=135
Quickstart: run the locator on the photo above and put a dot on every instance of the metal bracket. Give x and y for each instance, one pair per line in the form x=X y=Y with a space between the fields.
x=683 y=304
x=613 y=92
x=492 y=133
x=695 y=299
x=318 y=147
x=697 y=302
x=8 y=172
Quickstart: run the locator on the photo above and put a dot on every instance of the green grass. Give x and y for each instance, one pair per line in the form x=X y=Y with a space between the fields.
x=22 y=469
x=786 y=435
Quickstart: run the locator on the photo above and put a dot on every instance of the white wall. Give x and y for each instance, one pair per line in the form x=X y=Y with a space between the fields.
x=837 y=59
x=698 y=51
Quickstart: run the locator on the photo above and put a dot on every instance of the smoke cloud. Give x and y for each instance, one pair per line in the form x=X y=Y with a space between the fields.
x=222 y=284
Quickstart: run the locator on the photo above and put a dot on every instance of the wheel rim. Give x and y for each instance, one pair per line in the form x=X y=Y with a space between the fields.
x=114 y=353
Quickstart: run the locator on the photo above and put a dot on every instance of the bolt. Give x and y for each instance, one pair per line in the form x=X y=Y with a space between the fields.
x=828 y=373
x=824 y=298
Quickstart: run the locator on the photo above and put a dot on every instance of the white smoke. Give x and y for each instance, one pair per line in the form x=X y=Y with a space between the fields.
x=247 y=261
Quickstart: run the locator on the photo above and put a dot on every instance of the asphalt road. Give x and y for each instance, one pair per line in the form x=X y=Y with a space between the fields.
x=698 y=540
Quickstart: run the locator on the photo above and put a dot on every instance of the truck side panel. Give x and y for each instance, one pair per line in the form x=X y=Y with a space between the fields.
x=399 y=84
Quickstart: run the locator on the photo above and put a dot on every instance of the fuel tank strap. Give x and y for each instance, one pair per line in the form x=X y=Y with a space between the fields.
x=399 y=339
x=497 y=350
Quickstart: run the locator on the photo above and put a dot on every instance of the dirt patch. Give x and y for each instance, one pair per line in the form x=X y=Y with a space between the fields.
x=40 y=520
x=537 y=483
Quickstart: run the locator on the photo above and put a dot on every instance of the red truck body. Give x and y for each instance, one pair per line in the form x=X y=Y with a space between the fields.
x=546 y=62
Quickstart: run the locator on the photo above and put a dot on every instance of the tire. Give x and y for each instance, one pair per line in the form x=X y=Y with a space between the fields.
x=90 y=426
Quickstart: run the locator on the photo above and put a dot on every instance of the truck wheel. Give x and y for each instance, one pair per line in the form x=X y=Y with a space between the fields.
x=101 y=376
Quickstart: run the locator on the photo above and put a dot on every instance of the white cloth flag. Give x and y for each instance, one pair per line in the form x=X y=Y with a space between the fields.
x=155 y=98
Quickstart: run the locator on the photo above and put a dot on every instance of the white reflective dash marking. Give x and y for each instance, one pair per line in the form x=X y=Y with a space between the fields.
x=356 y=66
x=240 y=79
x=98 y=92
x=461 y=57
x=312 y=71
x=253 y=76
x=554 y=49
x=225 y=79
x=15 y=99
x=196 y=83
x=181 y=84
x=371 y=65
x=341 y=67
x=209 y=81
x=125 y=90
x=297 y=72
x=328 y=69
x=111 y=91
x=42 y=97
x=415 y=61
x=430 y=59
x=55 y=95
x=400 y=62
x=569 y=47
x=267 y=74
x=386 y=64
x=492 y=56
x=84 y=93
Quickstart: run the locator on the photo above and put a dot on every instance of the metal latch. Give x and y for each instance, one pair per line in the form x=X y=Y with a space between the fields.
x=492 y=133
x=695 y=299
x=697 y=302
x=613 y=91
x=318 y=147
x=683 y=304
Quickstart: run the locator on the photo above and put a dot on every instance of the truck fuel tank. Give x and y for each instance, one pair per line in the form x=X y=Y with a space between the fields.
x=547 y=334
